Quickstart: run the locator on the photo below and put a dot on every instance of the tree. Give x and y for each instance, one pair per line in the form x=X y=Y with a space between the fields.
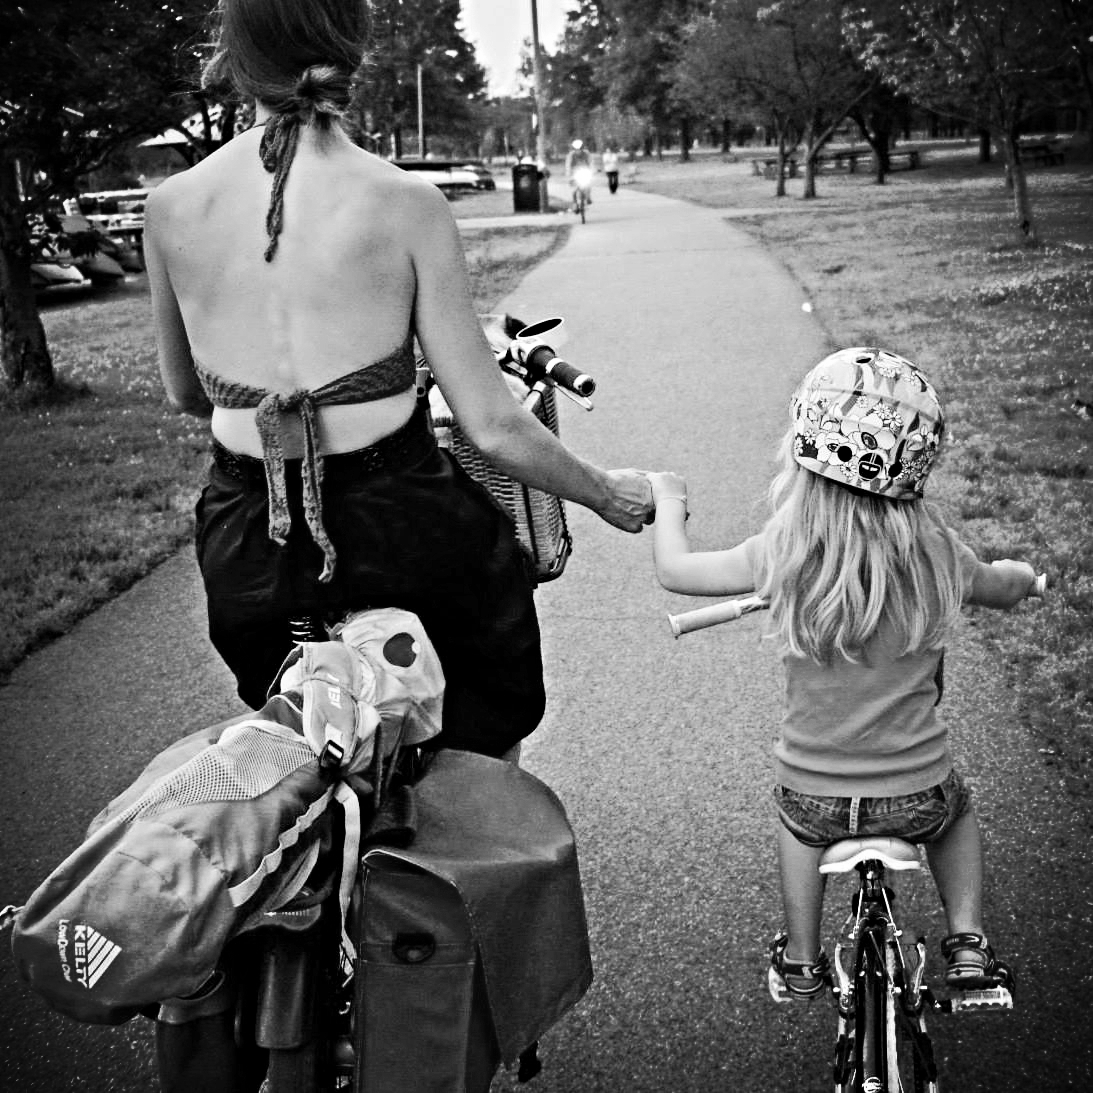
x=576 y=88
x=78 y=80
x=639 y=61
x=988 y=62
x=1075 y=26
x=784 y=62
x=405 y=34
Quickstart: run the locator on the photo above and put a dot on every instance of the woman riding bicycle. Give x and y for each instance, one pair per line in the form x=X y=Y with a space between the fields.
x=865 y=582
x=291 y=272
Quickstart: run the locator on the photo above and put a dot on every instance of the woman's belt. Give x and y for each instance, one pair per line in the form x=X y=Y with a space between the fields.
x=407 y=446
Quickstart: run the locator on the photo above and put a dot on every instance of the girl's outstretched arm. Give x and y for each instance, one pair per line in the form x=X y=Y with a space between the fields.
x=702 y=573
x=1003 y=583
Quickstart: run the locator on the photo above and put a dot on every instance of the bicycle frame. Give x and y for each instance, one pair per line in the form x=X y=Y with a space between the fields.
x=882 y=1044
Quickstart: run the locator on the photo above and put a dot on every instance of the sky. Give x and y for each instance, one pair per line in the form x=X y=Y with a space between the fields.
x=497 y=29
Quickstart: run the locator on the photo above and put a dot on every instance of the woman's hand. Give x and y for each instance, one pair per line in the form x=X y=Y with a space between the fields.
x=629 y=503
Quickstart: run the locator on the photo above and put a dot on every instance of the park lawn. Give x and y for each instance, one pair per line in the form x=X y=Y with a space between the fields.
x=99 y=487
x=927 y=265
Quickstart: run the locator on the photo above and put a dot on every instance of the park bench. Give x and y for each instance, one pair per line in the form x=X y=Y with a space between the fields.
x=1041 y=153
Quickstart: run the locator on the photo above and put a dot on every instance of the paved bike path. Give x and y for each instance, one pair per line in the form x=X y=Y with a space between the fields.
x=658 y=748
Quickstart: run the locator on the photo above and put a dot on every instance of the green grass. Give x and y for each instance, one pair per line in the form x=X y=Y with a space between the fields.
x=928 y=266
x=98 y=485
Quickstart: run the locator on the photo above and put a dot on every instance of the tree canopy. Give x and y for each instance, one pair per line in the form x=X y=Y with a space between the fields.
x=406 y=34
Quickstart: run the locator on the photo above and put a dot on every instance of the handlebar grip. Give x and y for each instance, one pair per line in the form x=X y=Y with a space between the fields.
x=542 y=361
x=715 y=613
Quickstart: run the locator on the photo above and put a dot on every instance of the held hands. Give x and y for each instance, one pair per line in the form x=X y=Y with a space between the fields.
x=667 y=486
x=629 y=503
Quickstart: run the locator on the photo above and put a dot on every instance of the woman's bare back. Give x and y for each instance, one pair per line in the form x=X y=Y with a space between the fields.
x=337 y=296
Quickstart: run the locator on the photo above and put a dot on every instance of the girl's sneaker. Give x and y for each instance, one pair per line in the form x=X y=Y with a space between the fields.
x=972 y=965
x=792 y=980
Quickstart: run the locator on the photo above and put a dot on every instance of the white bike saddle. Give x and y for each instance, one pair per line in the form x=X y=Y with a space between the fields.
x=843 y=856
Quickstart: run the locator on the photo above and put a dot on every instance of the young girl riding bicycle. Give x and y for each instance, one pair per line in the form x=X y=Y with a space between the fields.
x=865 y=582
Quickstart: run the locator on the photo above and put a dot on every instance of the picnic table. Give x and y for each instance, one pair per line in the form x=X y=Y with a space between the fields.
x=767 y=167
x=912 y=156
x=1041 y=153
x=848 y=159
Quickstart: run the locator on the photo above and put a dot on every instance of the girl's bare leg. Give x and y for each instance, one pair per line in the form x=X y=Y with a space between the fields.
x=802 y=896
x=956 y=861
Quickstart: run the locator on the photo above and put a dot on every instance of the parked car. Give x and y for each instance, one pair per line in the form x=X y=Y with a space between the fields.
x=69 y=249
x=450 y=174
x=117 y=213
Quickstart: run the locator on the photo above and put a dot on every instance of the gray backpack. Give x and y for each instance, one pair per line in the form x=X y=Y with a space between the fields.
x=225 y=825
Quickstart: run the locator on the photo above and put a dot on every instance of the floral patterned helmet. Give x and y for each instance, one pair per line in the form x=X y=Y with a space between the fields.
x=868 y=419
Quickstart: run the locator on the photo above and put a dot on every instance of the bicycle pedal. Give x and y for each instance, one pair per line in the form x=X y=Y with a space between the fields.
x=777 y=987
x=989 y=1000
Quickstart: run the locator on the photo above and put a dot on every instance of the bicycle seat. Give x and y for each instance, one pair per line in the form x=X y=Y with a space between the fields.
x=845 y=855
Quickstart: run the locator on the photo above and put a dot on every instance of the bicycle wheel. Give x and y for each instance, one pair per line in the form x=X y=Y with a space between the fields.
x=909 y=1052
x=861 y=1050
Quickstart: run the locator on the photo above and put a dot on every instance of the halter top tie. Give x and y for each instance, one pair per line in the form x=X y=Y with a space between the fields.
x=392 y=375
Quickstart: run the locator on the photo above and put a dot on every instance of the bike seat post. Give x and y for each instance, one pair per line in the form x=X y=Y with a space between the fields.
x=306 y=628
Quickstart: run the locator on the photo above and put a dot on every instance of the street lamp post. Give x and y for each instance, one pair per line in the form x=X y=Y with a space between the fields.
x=540 y=138
x=429 y=55
x=420 y=115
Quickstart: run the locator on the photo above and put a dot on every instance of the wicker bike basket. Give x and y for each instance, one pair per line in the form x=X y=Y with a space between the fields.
x=539 y=517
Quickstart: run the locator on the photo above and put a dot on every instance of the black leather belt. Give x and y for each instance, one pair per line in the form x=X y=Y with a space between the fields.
x=405 y=447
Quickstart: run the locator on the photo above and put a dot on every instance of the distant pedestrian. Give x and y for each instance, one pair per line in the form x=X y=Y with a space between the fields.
x=611 y=169
x=865 y=583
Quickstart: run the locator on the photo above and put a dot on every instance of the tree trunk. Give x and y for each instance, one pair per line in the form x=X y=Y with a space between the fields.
x=1022 y=206
x=23 y=349
x=879 y=138
x=780 y=189
x=726 y=135
x=810 y=176
x=685 y=140
x=812 y=150
x=984 y=146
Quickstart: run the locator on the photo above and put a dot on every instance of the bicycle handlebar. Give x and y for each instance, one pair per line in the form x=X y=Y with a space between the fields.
x=715 y=613
x=542 y=362
x=728 y=610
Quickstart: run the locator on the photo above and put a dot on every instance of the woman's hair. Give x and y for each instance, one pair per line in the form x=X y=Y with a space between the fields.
x=299 y=58
x=839 y=560
x=294 y=56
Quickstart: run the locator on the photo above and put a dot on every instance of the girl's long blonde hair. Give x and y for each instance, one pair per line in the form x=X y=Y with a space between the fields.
x=839 y=560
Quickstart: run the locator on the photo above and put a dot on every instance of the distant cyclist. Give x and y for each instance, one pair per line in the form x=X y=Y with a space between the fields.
x=578 y=172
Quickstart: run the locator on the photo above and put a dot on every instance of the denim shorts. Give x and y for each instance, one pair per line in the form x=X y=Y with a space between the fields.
x=917 y=817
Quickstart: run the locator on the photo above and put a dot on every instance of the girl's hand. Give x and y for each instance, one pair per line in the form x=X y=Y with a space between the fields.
x=667 y=486
x=1020 y=572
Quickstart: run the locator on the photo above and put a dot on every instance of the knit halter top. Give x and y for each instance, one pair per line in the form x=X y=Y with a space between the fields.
x=393 y=374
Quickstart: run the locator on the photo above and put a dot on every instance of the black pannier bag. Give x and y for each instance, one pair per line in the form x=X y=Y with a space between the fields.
x=472 y=942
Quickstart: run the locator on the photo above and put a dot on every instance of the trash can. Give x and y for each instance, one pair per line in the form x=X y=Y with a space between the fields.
x=525 y=188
